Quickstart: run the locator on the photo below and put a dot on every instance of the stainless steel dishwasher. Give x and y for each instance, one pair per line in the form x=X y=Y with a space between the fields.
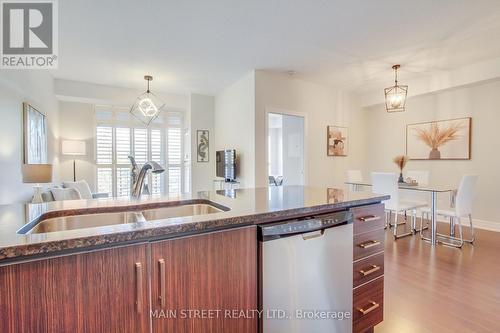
x=306 y=282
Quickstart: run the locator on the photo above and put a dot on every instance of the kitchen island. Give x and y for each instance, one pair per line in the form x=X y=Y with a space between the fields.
x=187 y=273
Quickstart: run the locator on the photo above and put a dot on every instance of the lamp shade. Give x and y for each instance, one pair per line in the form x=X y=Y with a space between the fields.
x=73 y=147
x=37 y=173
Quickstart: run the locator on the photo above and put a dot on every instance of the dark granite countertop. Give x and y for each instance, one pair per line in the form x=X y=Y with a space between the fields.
x=246 y=207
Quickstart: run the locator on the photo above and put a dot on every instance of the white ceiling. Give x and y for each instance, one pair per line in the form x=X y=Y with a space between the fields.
x=204 y=45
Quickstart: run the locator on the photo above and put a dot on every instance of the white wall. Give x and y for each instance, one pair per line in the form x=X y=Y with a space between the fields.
x=202 y=113
x=386 y=138
x=37 y=88
x=321 y=106
x=235 y=126
x=77 y=123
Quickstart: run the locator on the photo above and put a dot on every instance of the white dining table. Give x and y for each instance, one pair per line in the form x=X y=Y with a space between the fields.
x=434 y=190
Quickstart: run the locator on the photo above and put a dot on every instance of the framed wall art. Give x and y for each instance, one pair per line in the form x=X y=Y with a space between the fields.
x=439 y=140
x=35 y=135
x=202 y=145
x=337 y=141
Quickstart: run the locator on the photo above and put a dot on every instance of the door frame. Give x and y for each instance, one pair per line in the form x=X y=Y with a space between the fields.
x=285 y=112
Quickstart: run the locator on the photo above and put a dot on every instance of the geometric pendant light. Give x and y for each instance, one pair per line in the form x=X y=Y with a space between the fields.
x=147 y=106
x=395 y=96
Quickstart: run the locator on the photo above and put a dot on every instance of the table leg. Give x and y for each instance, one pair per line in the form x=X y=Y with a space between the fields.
x=433 y=217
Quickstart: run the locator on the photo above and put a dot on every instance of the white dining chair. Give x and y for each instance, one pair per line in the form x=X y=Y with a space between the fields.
x=387 y=183
x=354 y=176
x=462 y=209
x=422 y=178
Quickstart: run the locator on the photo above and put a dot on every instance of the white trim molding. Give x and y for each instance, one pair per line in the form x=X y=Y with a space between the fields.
x=486 y=225
x=478 y=224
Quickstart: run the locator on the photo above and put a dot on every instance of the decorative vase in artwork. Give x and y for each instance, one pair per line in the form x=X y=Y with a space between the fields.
x=435 y=154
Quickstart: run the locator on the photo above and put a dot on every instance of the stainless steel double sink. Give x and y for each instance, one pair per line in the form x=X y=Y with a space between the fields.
x=74 y=222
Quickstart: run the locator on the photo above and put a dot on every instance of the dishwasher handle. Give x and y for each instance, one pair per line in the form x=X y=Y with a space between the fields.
x=313 y=234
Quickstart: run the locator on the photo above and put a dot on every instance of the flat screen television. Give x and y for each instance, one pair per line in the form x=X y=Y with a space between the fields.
x=226 y=164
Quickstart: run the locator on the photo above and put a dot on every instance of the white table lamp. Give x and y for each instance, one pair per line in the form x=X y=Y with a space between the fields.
x=37 y=174
x=73 y=148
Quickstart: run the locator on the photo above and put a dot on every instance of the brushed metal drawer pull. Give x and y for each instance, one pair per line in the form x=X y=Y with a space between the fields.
x=373 y=306
x=162 y=296
x=138 y=281
x=368 y=244
x=369 y=218
x=373 y=269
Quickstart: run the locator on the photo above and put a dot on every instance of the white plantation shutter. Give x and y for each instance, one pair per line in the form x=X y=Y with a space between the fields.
x=118 y=136
x=186 y=161
x=122 y=163
x=104 y=139
x=174 y=180
x=156 y=146
x=123 y=182
x=174 y=146
x=141 y=145
x=157 y=180
x=174 y=154
x=104 y=159
x=122 y=145
x=105 y=180
x=187 y=180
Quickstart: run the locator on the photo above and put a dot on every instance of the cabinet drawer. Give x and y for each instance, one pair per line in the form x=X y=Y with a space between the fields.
x=368 y=243
x=368 y=305
x=368 y=269
x=368 y=218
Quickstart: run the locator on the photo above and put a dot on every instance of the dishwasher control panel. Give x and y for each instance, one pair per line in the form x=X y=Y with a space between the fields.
x=291 y=227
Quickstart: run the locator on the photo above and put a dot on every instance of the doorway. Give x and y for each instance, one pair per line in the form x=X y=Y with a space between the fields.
x=285 y=149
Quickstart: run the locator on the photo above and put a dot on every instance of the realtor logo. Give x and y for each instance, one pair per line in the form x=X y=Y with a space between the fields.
x=29 y=34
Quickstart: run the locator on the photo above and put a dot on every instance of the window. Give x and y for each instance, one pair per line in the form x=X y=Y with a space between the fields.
x=118 y=136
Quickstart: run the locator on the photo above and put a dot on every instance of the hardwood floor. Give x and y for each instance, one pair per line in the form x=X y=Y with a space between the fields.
x=442 y=289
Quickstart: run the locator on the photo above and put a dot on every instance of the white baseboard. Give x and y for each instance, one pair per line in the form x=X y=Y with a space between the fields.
x=478 y=224
x=486 y=225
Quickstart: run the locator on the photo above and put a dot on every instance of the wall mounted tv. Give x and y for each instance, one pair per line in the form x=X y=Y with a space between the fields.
x=226 y=164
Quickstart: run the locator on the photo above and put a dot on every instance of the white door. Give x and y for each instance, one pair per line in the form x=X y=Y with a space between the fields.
x=286 y=148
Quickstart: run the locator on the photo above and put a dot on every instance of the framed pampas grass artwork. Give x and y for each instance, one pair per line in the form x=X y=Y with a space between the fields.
x=439 y=140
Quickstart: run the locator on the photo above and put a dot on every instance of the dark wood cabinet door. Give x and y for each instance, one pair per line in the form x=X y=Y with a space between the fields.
x=205 y=283
x=101 y=291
